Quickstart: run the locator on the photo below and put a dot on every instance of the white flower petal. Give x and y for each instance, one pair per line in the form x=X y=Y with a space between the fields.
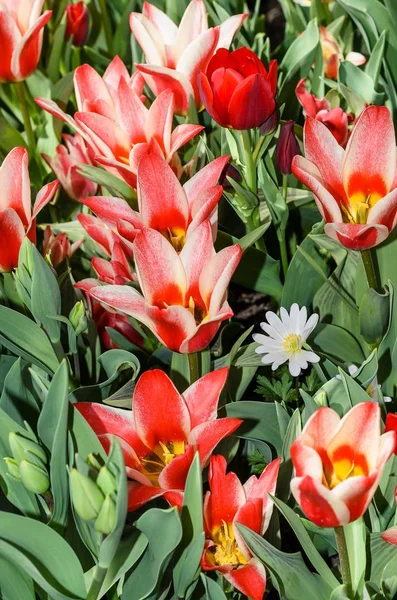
x=310 y=325
x=275 y=357
x=285 y=318
x=275 y=322
x=294 y=318
x=310 y=356
x=302 y=320
x=268 y=345
x=294 y=366
x=272 y=331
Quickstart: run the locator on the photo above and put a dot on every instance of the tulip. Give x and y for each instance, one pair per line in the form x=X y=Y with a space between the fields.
x=229 y=503
x=12 y=467
x=87 y=498
x=106 y=481
x=16 y=217
x=184 y=296
x=334 y=119
x=161 y=435
x=22 y=448
x=21 y=37
x=354 y=189
x=237 y=90
x=77 y=318
x=391 y=425
x=107 y=518
x=57 y=247
x=338 y=463
x=332 y=54
x=172 y=209
x=77 y=23
x=115 y=123
x=175 y=55
x=68 y=159
x=287 y=148
x=34 y=477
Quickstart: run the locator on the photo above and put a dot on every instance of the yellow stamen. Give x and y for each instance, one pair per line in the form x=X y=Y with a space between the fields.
x=226 y=550
x=292 y=343
x=154 y=462
x=176 y=236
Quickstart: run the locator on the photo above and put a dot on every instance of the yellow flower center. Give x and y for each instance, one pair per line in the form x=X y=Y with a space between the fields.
x=226 y=550
x=161 y=456
x=359 y=207
x=176 y=237
x=343 y=466
x=292 y=343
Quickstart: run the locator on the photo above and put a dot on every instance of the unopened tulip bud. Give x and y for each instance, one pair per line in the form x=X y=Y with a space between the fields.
x=107 y=518
x=287 y=148
x=78 y=20
x=78 y=318
x=12 y=467
x=270 y=125
x=22 y=447
x=94 y=462
x=34 y=478
x=87 y=498
x=233 y=173
x=106 y=481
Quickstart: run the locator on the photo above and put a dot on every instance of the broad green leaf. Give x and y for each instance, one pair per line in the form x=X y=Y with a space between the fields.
x=293 y=431
x=381 y=553
x=212 y=590
x=15 y=584
x=374 y=316
x=45 y=305
x=260 y=422
x=374 y=64
x=16 y=399
x=356 y=535
x=337 y=344
x=110 y=181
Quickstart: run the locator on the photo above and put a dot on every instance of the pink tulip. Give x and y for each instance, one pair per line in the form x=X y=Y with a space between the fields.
x=184 y=295
x=17 y=219
x=175 y=55
x=68 y=159
x=334 y=119
x=172 y=209
x=116 y=124
x=355 y=189
x=21 y=37
x=338 y=463
x=58 y=247
x=228 y=503
x=160 y=436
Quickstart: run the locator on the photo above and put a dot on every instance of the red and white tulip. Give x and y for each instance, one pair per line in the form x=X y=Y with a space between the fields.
x=57 y=247
x=332 y=54
x=338 y=463
x=227 y=503
x=355 y=189
x=162 y=433
x=176 y=55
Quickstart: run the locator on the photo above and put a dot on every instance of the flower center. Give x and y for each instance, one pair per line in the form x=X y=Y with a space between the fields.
x=359 y=206
x=226 y=550
x=343 y=466
x=176 y=237
x=161 y=456
x=292 y=343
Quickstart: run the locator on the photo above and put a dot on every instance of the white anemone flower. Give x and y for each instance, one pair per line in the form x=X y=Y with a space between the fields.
x=285 y=339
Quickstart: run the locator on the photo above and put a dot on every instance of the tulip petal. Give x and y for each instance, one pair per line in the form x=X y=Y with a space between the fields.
x=12 y=233
x=252 y=103
x=110 y=209
x=139 y=494
x=319 y=504
x=385 y=211
x=181 y=135
x=250 y=515
x=216 y=275
x=10 y=36
x=356 y=58
x=320 y=429
x=357 y=237
x=356 y=493
x=148 y=38
x=123 y=298
x=202 y=396
x=159 y=120
x=173 y=326
x=227 y=494
x=44 y=196
x=193 y=24
x=261 y=487
x=206 y=436
x=90 y=88
x=306 y=460
x=195 y=255
x=207 y=98
x=206 y=331
x=15 y=184
x=174 y=475
x=250 y=579
x=105 y=134
x=205 y=207
x=163 y=206
x=160 y=270
x=390 y=535
x=161 y=78
x=196 y=57
x=99 y=232
x=115 y=72
x=131 y=112
x=228 y=29
x=207 y=177
x=307 y=173
x=366 y=171
x=27 y=53
x=161 y=21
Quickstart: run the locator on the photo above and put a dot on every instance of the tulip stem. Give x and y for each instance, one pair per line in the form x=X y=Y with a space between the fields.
x=21 y=90
x=343 y=558
x=194 y=367
x=369 y=269
x=96 y=584
x=249 y=162
x=281 y=233
x=106 y=26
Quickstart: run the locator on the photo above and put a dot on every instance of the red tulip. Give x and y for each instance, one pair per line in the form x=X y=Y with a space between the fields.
x=161 y=435
x=184 y=295
x=391 y=425
x=68 y=159
x=58 y=247
x=21 y=37
x=77 y=23
x=116 y=124
x=175 y=55
x=334 y=119
x=355 y=189
x=338 y=463
x=17 y=219
x=287 y=148
x=237 y=90
x=172 y=209
x=228 y=503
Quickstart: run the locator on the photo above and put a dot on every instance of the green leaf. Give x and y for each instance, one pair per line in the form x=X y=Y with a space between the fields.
x=24 y=338
x=47 y=304
x=212 y=589
x=110 y=181
x=374 y=316
x=52 y=428
x=56 y=52
x=374 y=64
x=16 y=399
x=356 y=535
x=381 y=553
x=289 y=573
x=10 y=137
x=260 y=421
x=43 y=555
x=294 y=430
x=299 y=57
x=15 y=584
x=180 y=373
x=304 y=539
x=337 y=344
x=358 y=81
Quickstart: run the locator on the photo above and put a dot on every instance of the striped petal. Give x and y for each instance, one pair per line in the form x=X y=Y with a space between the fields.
x=202 y=397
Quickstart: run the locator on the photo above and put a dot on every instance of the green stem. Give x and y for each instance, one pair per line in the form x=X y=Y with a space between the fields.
x=96 y=584
x=106 y=26
x=250 y=165
x=369 y=269
x=194 y=367
x=343 y=558
x=258 y=147
x=259 y=244
x=281 y=234
x=22 y=92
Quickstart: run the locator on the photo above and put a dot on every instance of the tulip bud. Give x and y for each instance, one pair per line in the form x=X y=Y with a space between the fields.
x=270 y=125
x=22 y=447
x=106 y=481
x=107 y=518
x=94 y=462
x=78 y=20
x=12 y=467
x=287 y=148
x=78 y=318
x=34 y=478
x=233 y=173
x=87 y=498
